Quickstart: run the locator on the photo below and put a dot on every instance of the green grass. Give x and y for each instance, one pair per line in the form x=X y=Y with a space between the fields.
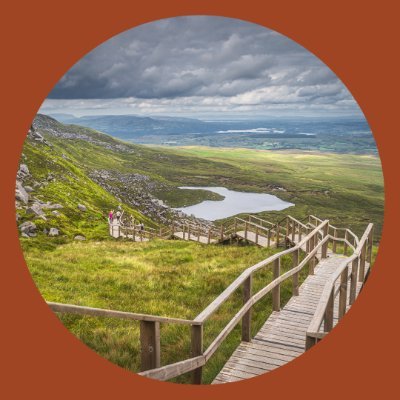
x=169 y=278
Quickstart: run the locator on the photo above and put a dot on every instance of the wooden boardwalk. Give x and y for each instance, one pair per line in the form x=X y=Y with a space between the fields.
x=282 y=338
x=196 y=238
x=260 y=240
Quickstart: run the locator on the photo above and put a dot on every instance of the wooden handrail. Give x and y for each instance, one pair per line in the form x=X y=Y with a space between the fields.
x=329 y=292
x=101 y=312
x=212 y=307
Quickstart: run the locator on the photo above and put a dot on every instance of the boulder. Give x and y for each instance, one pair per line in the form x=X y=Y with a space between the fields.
x=35 y=209
x=23 y=170
x=28 y=228
x=20 y=193
x=50 y=206
x=56 y=213
x=54 y=232
x=81 y=207
x=79 y=237
x=29 y=189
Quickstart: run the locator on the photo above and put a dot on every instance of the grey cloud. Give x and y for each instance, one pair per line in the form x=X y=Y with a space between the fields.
x=187 y=61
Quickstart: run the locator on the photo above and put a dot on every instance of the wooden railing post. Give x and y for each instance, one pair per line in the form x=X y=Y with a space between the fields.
x=334 y=241
x=293 y=231
x=277 y=235
x=370 y=244
x=150 y=345
x=183 y=232
x=257 y=235
x=209 y=236
x=276 y=291
x=324 y=250
x=269 y=238
x=345 y=246
x=328 y=318
x=287 y=226
x=188 y=232
x=197 y=350
x=308 y=243
x=245 y=230
x=310 y=342
x=235 y=226
x=361 y=270
x=311 y=264
x=296 y=275
x=300 y=233
x=246 y=319
x=222 y=233
x=353 y=280
x=343 y=292
x=198 y=234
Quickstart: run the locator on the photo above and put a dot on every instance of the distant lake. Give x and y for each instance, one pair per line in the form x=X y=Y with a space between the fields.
x=233 y=203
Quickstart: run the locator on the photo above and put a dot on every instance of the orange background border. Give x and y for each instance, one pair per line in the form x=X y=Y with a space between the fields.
x=41 y=41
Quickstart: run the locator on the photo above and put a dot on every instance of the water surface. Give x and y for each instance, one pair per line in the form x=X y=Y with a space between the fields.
x=233 y=203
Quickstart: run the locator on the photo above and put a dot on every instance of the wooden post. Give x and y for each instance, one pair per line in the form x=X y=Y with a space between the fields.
x=150 y=345
x=334 y=241
x=370 y=244
x=353 y=281
x=235 y=228
x=287 y=226
x=209 y=236
x=269 y=238
x=246 y=319
x=188 y=232
x=345 y=246
x=310 y=342
x=361 y=270
x=296 y=275
x=257 y=235
x=245 y=230
x=198 y=234
x=197 y=350
x=276 y=291
x=311 y=264
x=183 y=232
x=328 y=318
x=300 y=233
x=343 y=292
x=293 y=231
x=222 y=233
x=160 y=232
x=324 y=250
x=308 y=241
x=277 y=235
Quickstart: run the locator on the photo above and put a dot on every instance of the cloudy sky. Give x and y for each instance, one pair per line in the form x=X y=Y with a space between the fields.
x=203 y=67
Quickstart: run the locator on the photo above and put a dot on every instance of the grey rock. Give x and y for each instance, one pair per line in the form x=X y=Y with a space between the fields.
x=28 y=228
x=29 y=189
x=79 y=237
x=81 y=207
x=35 y=209
x=56 y=213
x=54 y=232
x=50 y=206
x=23 y=170
x=20 y=193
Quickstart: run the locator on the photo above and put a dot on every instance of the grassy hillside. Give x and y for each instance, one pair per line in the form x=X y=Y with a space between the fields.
x=170 y=278
x=348 y=189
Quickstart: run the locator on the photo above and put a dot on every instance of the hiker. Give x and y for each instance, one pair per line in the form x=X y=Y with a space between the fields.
x=111 y=216
x=118 y=215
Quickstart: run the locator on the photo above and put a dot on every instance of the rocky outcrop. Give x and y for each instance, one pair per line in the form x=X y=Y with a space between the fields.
x=28 y=228
x=21 y=194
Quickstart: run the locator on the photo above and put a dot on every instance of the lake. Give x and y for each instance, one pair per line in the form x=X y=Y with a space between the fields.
x=233 y=203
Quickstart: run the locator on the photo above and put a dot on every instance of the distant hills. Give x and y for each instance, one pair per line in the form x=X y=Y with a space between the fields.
x=338 y=135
